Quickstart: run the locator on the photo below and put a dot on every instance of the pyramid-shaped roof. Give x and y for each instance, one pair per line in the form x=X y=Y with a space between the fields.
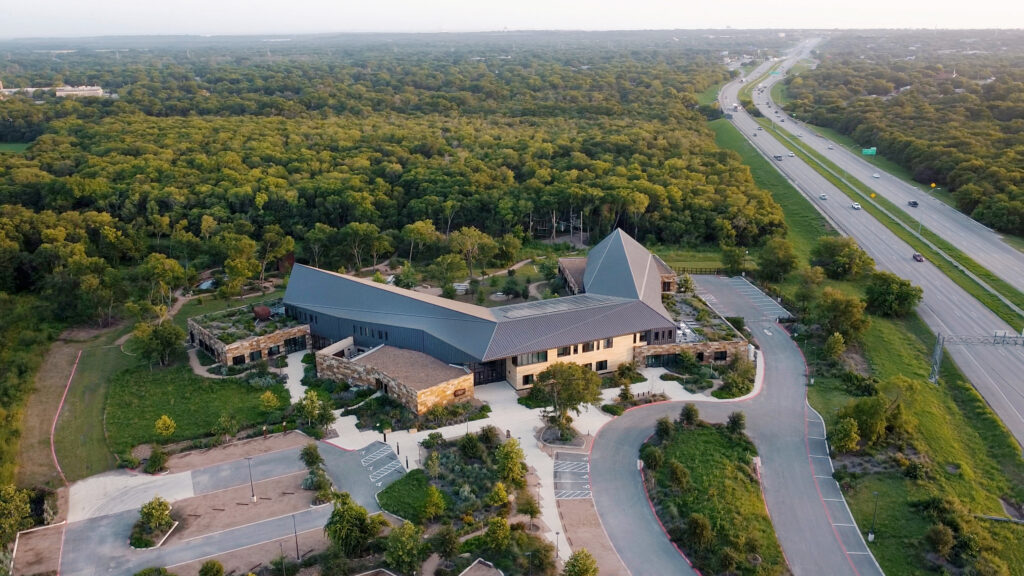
x=621 y=266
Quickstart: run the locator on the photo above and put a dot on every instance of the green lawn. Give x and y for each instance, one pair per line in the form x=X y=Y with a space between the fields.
x=210 y=303
x=406 y=496
x=724 y=490
x=696 y=257
x=139 y=396
x=80 y=441
x=13 y=147
x=709 y=96
x=972 y=455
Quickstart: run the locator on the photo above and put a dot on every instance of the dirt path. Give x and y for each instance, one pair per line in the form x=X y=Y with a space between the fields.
x=35 y=465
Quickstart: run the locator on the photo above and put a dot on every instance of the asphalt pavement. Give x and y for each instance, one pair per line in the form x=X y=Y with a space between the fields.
x=99 y=545
x=946 y=307
x=813 y=524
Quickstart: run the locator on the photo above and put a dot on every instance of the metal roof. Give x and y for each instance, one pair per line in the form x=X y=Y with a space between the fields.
x=621 y=266
x=623 y=295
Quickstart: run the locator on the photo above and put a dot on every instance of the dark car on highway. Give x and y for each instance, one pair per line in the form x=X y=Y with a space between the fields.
x=912 y=203
x=917 y=256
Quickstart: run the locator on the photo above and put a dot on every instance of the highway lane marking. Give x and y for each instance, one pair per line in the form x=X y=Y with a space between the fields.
x=816 y=456
x=864 y=553
x=834 y=500
x=817 y=437
x=821 y=476
x=842 y=524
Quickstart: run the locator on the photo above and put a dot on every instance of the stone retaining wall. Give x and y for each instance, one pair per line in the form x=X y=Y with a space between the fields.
x=224 y=353
x=731 y=348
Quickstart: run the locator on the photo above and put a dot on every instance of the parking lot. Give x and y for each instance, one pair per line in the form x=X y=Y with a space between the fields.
x=724 y=304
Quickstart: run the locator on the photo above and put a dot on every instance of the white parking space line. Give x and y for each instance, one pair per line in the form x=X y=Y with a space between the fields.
x=561 y=466
x=389 y=468
x=382 y=452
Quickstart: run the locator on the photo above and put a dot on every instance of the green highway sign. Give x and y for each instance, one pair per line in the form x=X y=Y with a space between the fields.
x=869 y=151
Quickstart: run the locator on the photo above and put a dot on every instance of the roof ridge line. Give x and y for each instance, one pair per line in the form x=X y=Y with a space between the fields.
x=602 y=315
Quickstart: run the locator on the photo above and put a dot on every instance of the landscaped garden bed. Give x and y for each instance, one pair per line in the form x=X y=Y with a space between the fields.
x=702 y=482
x=470 y=486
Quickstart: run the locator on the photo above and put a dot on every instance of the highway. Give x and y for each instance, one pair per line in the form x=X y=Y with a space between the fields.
x=946 y=308
x=980 y=243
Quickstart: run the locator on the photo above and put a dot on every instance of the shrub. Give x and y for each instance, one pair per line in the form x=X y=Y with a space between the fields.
x=471 y=447
x=310 y=455
x=433 y=440
x=613 y=409
x=680 y=475
x=489 y=436
x=698 y=531
x=845 y=436
x=737 y=423
x=157 y=461
x=940 y=539
x=858 y=385
x=689 y=415
x=211 y=568
x=664 y=428
x=652 y=456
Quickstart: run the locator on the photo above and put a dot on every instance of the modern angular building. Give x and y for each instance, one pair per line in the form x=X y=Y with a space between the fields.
x=614 y=316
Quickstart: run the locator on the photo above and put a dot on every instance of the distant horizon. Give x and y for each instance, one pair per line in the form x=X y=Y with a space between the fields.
x=289 y=35
x=92 y=18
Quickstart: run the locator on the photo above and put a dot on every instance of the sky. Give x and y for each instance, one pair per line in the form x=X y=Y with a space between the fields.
x=69 y=18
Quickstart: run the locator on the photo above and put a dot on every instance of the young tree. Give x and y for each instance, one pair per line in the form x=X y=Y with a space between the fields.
x=269 y=401
x=835 y=345
x=498 y=535
x=15 y=513
x=165 y=427
x=446 y=269
x=404 y=550
x=777 y=258
x=509 y=246
x=359 y=237
x=737 y=423
x=310 y=455
x=837 y=312
x=446 y=542
x=870 y=415
x=581 y=563
x=498 y=495
x=156 y=515
x=810 y=279
x=315 y=410
x=527 y=504
x=569 y=386
x=241 y=263
x=433 y=465
x=844 y=437
x=510 y=458
x=889 y=295
x=434 y=504
x=685 y=284
x=350 y=527
x=274 y=245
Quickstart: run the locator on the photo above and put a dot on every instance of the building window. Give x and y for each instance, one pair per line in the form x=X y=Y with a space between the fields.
x=700 y=356
x=528 y=380
x=575 y=348
x=532 y=358
x=273 y=351
x=238 y=360
x=564 y=351
x=602 y=365
x=643 y=336
x=255 y=355
x=720 y=355
x=589 y=346
x=609 y=342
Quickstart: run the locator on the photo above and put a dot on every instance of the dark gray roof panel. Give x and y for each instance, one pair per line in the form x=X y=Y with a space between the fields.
x=464 y=326
x=621 y=266
x=613 y=317
x=553 y=305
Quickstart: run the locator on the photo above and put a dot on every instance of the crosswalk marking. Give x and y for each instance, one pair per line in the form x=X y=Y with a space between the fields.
x=571 y=494
x=562 y=466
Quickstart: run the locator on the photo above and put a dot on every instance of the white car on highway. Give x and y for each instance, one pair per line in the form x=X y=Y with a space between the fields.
x=876 y=175
x=855 y=205
x=823 y=196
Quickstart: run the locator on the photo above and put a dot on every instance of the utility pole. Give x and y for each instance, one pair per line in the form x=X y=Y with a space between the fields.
x=874 y=515
x=252 y=487
x=295 y=531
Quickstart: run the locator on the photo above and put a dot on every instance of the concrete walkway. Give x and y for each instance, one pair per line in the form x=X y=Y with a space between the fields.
x=293 y=373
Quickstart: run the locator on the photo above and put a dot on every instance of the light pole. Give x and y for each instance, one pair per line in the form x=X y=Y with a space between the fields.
x=871 y=533
x=295 y=531
x=557 y=534
x=252 y=487
x=529 y=562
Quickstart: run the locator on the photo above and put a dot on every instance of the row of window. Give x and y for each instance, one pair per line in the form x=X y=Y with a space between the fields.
x=601 y=366
x=302 y=316
x=370 y=331
x=585 y=347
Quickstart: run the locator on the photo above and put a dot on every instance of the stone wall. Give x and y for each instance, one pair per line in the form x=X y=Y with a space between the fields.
x=224 y=353
x=731 y=348
x=419 y=401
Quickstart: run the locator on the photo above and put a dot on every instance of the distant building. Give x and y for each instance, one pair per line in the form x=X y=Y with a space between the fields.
x=60 y=91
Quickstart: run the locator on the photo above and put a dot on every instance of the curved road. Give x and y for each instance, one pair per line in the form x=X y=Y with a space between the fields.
x=814 y=527
x=946 y=307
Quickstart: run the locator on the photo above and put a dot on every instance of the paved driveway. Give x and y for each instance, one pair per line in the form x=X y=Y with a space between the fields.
x=817 y=535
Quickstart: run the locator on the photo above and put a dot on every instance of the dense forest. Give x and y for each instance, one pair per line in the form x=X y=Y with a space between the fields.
x=946 y=105
x=346 y=150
